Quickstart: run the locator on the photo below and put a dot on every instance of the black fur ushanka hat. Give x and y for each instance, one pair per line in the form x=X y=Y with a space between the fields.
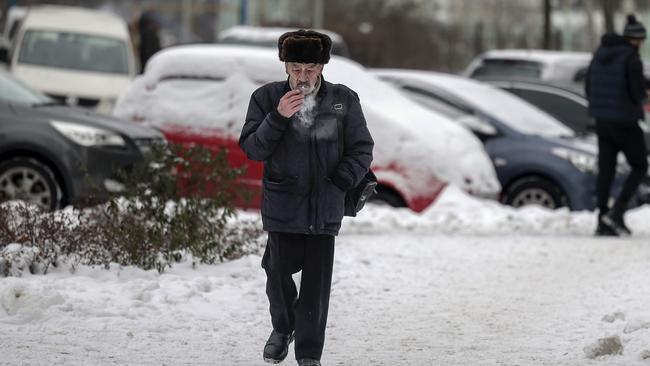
x=305 y=46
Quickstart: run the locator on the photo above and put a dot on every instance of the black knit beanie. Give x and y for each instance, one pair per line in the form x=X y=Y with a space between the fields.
x=633 y=28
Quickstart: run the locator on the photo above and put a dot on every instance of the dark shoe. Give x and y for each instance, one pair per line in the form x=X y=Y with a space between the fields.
x=277 y=347
x=308 y=362
x=617 y=224
x=604 y=229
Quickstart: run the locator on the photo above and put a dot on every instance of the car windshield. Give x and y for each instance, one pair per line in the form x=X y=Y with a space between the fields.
x=12 y=90
x=74 y=51
x=507 y=108
x=497 y=68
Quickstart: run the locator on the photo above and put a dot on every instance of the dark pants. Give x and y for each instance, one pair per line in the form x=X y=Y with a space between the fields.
x=615 y=137
x=285 y=255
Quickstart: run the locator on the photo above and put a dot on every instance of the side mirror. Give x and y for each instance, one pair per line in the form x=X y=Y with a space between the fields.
x=4 y=50
x=4 y=54
x=478 y=125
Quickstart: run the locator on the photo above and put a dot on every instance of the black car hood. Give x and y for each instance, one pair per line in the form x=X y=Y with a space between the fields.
x=86 y=117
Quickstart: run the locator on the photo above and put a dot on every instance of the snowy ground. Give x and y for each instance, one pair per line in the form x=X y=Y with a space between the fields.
x=466 y=283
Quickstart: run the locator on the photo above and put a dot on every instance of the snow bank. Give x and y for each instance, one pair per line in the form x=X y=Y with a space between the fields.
x=209 y=87
x=24 y=301
x=457 y=213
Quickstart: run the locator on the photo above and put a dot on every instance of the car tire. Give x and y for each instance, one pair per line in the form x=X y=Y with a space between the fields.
x=534 y=190
x=386 y=198
x=30 y=180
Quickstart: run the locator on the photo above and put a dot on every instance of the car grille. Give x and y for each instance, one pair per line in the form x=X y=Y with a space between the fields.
x=146 y=145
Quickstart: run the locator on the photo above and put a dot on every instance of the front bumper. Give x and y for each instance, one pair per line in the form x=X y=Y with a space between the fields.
x=101 y=170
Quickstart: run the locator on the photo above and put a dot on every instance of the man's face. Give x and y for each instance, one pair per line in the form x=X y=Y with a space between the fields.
x=303 y=76
x=637 y=42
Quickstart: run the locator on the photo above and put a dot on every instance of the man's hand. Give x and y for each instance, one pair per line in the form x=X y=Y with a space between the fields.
x=290 y=103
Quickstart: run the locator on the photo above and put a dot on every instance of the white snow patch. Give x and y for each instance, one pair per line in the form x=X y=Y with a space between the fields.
x=610 y=318
x=636 y=325
x=24 y=301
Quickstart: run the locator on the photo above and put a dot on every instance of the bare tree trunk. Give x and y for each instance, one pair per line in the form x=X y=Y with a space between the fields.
x=591 y=34
x=608 y=13
x=317 y=21
x=547 y=25
x=479 y=43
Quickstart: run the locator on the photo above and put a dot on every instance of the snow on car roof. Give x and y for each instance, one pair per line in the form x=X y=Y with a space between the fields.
x=214 y=61
x=75 y=19
x=174 y=90
x=511 y=110
x=542 y=56
x=266 y=34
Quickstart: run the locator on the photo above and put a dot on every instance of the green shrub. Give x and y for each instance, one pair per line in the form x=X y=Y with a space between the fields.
x=178 y=204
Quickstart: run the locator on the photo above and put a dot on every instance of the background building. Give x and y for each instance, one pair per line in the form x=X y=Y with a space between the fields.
x=429 y=34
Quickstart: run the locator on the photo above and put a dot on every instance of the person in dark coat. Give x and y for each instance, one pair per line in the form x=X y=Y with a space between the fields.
x=615 y=88
x=293 y=127
x=148 y=29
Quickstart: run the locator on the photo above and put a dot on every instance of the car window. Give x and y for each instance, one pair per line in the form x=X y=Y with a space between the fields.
x=507 y=108
x=502 y=68
x=431 y=101
x=74 y=51
x=573 y=114
x=12 y=90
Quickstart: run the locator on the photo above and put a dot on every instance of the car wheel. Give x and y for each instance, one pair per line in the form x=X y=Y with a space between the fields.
x=31 y=181
x=534 y=191
x=386 y=198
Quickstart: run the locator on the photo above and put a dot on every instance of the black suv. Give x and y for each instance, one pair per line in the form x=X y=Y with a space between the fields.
x=52 y=155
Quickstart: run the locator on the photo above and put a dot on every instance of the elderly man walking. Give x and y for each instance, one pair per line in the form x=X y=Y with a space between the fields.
x=616 y=91
x=315 y=145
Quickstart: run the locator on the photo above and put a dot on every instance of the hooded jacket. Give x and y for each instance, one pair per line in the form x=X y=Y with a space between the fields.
x=615 y=83
x=305 y=177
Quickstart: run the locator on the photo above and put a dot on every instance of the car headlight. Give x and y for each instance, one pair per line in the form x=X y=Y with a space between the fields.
x=87 y=135
x=585 y=163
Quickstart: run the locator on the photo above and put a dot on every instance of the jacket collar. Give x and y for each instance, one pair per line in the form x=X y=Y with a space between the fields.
x=613 y=40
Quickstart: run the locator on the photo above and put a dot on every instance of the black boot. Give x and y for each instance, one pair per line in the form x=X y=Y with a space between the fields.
x=308 y=362
x=604 y=229
x=277 y=347
x=614 y=218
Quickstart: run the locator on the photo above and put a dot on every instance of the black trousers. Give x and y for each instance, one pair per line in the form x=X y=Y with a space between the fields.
x=306 y=314
x=615 y=137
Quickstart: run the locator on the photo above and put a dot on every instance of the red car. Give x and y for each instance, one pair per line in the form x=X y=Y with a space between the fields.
x=199 y=94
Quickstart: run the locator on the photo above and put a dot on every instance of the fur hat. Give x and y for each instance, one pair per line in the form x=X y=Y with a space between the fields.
x=305 y=46
x=633 y=28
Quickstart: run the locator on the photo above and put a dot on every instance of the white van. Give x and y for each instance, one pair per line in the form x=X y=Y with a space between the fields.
x=76 y=55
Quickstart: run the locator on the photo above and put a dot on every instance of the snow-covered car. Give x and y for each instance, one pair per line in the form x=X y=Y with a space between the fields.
x=561 y=67
x=537 y=158
x=199 y=94
x=83 y=57
x=268 y=37
x=569 y=106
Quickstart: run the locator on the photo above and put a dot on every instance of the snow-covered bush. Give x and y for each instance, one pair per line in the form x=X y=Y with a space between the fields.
x=33 y=240
x=178 y=204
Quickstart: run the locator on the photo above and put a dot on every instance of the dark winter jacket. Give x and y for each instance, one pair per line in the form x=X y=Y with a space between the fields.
x=305 y=178
x=615 y=84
